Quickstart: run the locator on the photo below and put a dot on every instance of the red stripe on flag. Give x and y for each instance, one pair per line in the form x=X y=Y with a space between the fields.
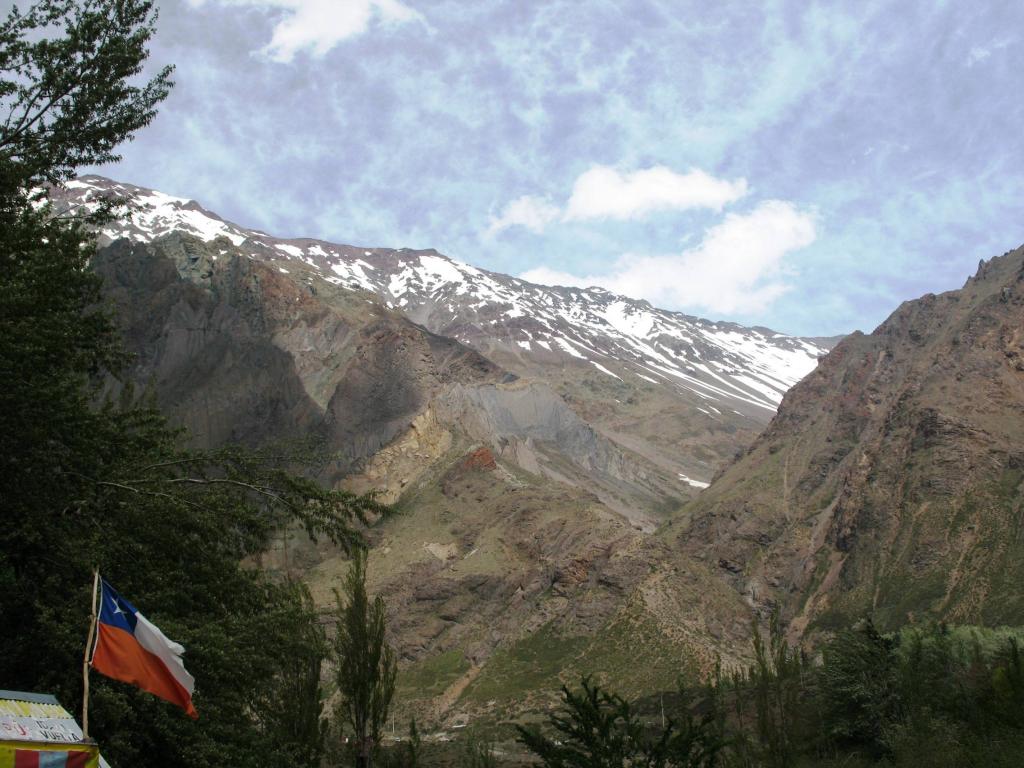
x=78 y=759
x=119 y=655
x=24 y=758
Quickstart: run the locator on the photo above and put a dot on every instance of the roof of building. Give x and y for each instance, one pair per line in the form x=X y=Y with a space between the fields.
x=35 y=698
x=37 y=717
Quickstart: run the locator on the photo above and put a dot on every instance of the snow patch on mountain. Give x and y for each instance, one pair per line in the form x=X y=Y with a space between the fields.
x=746 y=368
x=695 y=483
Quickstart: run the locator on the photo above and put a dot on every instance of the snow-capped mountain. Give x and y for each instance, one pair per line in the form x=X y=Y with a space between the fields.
x=725 y=367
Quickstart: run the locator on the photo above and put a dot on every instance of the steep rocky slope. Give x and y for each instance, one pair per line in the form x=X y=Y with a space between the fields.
x=890 y=481
x=681 y=392
x=236 y=351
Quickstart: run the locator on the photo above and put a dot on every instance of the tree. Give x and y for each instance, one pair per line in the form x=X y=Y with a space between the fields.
x=595 y=729
x=776 y=678
x=67 y=70
x=293 y=709
x=860 y=687
x=54 y=336
x=87 y=481
x=366 y=664
x=65 y=99
x=598 y=729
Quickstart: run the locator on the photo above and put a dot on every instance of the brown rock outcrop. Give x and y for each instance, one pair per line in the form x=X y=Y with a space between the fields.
x=890 y=481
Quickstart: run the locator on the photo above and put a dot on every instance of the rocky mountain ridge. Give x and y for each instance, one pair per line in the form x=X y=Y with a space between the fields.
x=530 y=476
x=516 y=519
x=683 y=392
x=529 y=464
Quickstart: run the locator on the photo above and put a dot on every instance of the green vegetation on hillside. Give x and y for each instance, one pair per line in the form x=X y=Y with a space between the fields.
x=430 y=677
x=922 y=697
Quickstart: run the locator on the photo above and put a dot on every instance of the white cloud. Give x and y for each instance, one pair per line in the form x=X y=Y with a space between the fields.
x=319 y=25
x=605 y=193
x=737 y=268
x=533 y=213
x=979 y=53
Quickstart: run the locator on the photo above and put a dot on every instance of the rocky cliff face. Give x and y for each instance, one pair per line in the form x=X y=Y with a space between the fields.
x=890 y=481
x=681 y=392
x=237 y=350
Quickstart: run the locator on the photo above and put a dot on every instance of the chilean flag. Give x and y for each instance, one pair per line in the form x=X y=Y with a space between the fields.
x=130 y=648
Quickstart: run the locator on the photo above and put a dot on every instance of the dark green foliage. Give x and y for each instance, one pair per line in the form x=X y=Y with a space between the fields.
x=109 y=486
x=770 y=724
x=366 y=664
x=594 y=728
x=859 y=686
x=170 y=530
x=293 y=707
x=67 y=86
x=930 y=697
x=85 y=482
x=775 y=680
x=1007 y=679
x=923 y=697
x=598 y=729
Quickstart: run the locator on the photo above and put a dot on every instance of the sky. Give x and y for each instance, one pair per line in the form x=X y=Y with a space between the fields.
x=797 y=165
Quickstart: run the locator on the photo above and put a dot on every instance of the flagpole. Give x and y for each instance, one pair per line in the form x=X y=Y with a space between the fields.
x=85 y=658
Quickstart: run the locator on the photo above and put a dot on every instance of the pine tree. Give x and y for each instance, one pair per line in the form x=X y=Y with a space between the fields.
x=860 y=687
x=598 y=729
x=366 y=664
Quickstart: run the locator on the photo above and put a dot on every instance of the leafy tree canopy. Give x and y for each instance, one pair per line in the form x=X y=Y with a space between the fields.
x=68 y=90
x=85 y=481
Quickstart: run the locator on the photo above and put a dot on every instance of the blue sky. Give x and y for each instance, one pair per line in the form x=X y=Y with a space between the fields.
x=804 y=166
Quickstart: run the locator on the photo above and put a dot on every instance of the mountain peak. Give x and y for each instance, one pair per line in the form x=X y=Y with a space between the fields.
x=719 y=364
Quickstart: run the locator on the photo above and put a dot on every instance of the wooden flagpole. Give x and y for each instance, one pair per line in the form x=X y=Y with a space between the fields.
x=85 y=658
